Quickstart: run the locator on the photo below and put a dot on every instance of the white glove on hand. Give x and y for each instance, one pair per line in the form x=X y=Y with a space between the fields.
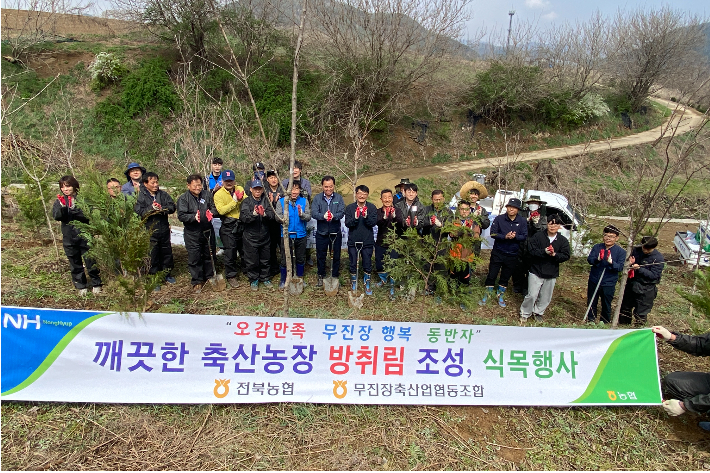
x=608 y=258
x=437 y=222
x=255 y=213
x=663 y=332
x=673 y=407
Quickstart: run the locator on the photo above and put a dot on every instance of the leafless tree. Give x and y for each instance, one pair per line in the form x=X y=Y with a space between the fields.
x=650 y=47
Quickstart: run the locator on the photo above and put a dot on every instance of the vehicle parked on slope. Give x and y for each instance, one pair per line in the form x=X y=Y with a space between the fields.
x=688 y=245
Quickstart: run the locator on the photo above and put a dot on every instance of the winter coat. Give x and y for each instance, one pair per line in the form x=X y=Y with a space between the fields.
x=361 y=228
x=403 y=212
x=320 y=206
x=296 y=223
x=646 y=277
x=256 y=227
x=128 y=189
x=445 y=216
x=483 y=219
x=698 y=346
x=211 y=182
x=226 y=206
x=187 y=207
x=278 y=194
x=305 y=186
x=384 y=226
x=611 y=273
x=542 y=264
x=500 y=228
x=157 y=220
x=67 y=215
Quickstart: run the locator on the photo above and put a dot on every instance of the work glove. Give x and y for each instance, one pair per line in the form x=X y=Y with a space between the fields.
x=300 y=210
x=408 y=222
x=437 y=222
x=329 y=215
x=601 y=254
x=157 y=206
x=632 y=273
x=62 y=199
x=209 y=215
x=608 y=257
x=255 y=212
x=392 y=211
x=239 y=194
x=662 y=332
x=550 y=250
x=477 y=212
x=70 y=202
x=197 y=216
x=357 y=212
x=364 y=211
x=535 y=216
x=260 y=210
x=468 y=223
x=673 y=407
x=432 y=219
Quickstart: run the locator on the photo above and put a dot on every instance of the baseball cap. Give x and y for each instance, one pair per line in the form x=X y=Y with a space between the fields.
x=256 y=183
x=228 y=175
x=259 y=165
x=515 y=203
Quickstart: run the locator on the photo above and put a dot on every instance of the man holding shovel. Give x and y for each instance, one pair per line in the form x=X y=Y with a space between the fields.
x=360 y=218
x=607 y=259
x=299 y=213
x=256 y=215
x=327 y=209
x=646 y=268
x=228 y=200
x=195 y=209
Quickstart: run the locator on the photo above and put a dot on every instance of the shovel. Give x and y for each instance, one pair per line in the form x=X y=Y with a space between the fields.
x=295 y=287
x=354 y=300
x=217 y=280
x=332 y=284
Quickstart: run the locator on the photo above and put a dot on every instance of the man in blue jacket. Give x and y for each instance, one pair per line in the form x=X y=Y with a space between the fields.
x=508 y=230
x=134 y=175
x=327 y=209
x=360 y=218
x=646 y=267
x=299 y=213
x=607 y=258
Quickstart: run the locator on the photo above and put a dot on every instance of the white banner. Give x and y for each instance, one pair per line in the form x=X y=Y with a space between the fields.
x=83 y=356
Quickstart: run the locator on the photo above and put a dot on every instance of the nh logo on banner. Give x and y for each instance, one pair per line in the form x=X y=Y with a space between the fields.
x=21 y=322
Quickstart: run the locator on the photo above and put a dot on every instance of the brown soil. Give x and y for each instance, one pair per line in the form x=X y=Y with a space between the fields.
x=16 y=22
x=49 y=64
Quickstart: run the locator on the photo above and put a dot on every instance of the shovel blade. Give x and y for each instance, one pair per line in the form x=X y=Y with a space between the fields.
x=218 y=283
x=296 y=286
x=331 y=286
x=355 y=301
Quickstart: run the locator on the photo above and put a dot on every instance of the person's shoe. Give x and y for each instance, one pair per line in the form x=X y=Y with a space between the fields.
x=366 y=280
x=96 y=289
x=170 y=280
x=268 y=285
x=83 y=292
x=233 y=282
x=383 y=279
x=501 y=293
x=319 y=283
x=300 y=270
x=254 y=285
x=590 y=321
x=197 y=288
x=523 y=320
x=437 y=300
x=704 y=425
x=353 y=282
x=487 y=295
x=463 y=307
x=310 y=261
x=538 y=318
x=156 y=288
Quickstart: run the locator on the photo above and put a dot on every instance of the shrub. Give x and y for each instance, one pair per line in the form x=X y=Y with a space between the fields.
x=105 y=69
x=29 y=201
x=149 y=88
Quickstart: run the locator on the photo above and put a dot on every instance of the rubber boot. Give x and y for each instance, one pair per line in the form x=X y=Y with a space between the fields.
x=366 y=280
x=282 y=284
x=501 y=293
x=353 y=282
x=487 y=295
x=300 y=270
x=392 y=296
x=383 y=279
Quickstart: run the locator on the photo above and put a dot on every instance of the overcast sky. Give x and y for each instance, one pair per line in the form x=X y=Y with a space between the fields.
x=494 y=14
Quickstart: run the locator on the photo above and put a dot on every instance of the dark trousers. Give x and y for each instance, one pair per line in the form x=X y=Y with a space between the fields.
x=199 y=261
x=380 y=252
x=161 y=254
x=683 y=385
x=232 y=244
x=463 y=276
x=256 y=259
x=507 y=265
x=636 y=304
x=432 y=268
x=274 y=244
x=298 y=250
x=75 y=251
x=323 y=242
x=605 y=294
x=366 y=253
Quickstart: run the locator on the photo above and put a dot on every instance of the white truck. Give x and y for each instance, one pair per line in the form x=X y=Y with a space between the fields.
x=688 y=245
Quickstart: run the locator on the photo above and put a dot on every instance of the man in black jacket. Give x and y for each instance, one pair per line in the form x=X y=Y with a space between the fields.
x=410 y=211
x=360 y=218
x=687 y=391
x=641 y=290
x=153 y=206
x=385 y=225
x=195 y=209
x=256 y=214
x=546 y=249
x=327 y=209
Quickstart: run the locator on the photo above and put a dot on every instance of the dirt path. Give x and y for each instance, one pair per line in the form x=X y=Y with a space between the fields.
x=685 y=118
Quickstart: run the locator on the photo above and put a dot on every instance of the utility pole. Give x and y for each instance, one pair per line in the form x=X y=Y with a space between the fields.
x=510 y=30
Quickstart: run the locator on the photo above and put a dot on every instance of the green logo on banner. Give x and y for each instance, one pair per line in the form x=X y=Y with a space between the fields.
x=628 y=373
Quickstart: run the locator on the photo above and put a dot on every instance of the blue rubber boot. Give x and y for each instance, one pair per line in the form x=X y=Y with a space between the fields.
x=366 y=280
x=282 y=284
x=392 y=284
x=300 y=270
x=383 y=279
x=487 y=295
x=501 y=293
x=353 y=282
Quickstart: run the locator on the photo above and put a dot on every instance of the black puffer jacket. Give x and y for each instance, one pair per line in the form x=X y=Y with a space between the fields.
x=698 y=346
x=445 y=216
x=256 y=227
x=384 y=226
x=187 y=207
x=403 y=213
x=542 y=264
x=67 y=215
x=360 y=229
x=157 y=220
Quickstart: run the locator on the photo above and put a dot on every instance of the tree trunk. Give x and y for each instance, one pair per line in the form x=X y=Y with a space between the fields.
x=624 y=280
